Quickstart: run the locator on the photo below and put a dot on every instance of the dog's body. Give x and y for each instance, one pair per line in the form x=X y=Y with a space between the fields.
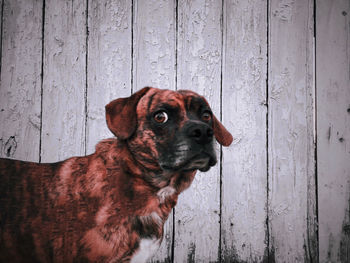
x=110 y=206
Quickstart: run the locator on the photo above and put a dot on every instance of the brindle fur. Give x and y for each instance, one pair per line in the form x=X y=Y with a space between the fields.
x=97 y=208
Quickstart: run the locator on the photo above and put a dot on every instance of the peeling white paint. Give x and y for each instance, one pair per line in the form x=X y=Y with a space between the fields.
x=20 y=77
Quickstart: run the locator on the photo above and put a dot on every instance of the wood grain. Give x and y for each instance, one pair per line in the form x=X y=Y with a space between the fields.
x=20 y=91
x=244 y=167
x=333 y=129
x=290 y=128
x=109 y=63
x=64 y=83
x=154 y=44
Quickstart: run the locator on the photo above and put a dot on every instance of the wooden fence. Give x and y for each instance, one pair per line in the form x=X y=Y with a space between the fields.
x=276 y=72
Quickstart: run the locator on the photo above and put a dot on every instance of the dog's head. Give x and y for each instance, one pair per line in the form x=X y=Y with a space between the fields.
x=171 y=130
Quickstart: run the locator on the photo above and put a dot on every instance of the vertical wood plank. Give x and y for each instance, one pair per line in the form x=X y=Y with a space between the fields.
x=1 y=40
x=154 y=44
x=1 y=27
x=244 y=167
x=197 y=215
x=154 y=53
x=63 y=113
x=20 y=91
x=291 y=126
x=109 y=63
x=333 y=128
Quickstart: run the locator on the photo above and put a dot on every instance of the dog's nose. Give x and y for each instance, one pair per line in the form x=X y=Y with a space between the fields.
x=200 y=132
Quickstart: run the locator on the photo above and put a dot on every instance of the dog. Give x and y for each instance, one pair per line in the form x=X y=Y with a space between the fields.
x=110 y=206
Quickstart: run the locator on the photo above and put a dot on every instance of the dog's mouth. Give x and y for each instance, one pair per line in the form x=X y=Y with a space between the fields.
x=202 y=162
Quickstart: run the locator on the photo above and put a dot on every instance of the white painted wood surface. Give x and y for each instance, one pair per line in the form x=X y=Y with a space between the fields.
x=244 y=168
x=154 y=44
x=64 y=80
x=197 y=215
x=333 y=127
x=20 y=92
x=260 y=203
x=109 y=63
x=290 y=128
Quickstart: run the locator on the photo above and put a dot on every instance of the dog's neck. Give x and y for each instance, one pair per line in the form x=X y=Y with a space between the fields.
x=149 y=171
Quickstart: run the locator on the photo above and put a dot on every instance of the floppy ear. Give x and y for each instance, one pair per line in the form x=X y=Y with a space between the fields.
x=221 y=134
x=121 y=114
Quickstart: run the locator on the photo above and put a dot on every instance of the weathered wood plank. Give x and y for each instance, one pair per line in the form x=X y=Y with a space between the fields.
x=109 y=63
x=244 y=167
x=1 y=23
x=333 y=128
x=154 y=44
x=63 y=113
x=290 y=127
x=197 y=215
x=20 y=91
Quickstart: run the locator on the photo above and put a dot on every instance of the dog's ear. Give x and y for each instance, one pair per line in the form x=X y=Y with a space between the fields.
x=121 y=114
x=222 y=135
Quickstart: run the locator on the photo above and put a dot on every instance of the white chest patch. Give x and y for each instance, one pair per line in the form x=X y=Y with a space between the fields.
x=146 y=249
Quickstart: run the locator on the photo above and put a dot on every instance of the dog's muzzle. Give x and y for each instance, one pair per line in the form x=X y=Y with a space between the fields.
x=202 y=134
x=193 y=150
x=199 y=132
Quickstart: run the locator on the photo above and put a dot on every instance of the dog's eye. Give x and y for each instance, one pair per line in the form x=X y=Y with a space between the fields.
x=161 y=117
x=206 y=116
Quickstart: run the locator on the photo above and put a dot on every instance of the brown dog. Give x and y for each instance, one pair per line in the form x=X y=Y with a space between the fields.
x=110 y=206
